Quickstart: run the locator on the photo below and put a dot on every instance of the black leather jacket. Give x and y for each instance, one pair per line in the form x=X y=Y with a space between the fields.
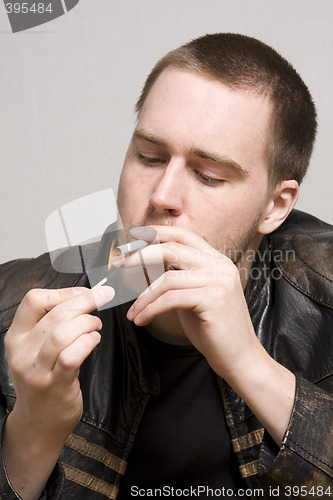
x=290 y=299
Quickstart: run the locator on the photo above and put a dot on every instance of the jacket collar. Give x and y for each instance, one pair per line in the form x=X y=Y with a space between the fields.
x=303 y=252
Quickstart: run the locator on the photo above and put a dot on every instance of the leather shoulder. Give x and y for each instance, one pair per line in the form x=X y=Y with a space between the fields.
x=302 y=249
x=19 y=276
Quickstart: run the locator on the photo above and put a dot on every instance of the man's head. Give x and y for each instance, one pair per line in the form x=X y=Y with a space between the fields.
x=201 y=153
x=244 y=63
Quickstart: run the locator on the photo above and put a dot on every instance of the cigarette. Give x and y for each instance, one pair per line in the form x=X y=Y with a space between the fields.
x=133 y=246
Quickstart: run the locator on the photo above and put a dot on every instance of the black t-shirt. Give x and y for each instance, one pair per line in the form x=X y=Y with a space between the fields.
x=182 y=440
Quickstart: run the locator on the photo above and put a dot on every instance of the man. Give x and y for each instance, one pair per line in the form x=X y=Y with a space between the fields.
x=241 y=316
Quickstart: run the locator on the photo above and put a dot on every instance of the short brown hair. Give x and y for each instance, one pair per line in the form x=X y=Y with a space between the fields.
x=244 y=63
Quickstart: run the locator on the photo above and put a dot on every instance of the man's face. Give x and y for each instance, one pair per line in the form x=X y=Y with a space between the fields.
x=197 y=159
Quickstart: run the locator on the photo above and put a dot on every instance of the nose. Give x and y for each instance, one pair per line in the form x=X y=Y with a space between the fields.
x=168 y=194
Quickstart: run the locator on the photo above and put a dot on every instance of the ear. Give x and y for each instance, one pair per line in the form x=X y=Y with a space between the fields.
x=281 y=202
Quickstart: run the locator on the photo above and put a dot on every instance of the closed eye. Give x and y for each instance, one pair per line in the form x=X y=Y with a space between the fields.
x=150 y=160
x=209 y=181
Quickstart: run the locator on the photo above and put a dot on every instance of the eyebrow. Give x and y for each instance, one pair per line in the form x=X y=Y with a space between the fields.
x=147 y=136
x=221 y=159
x=206 y=155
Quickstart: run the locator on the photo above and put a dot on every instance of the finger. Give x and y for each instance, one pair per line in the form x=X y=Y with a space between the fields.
x=171 y=280
x=172 y=255
x=83 y=303
x=170 y=300
x=62 y=336
x=70 y=359
x=147 y=233
x=172 y=233
x=36 y=303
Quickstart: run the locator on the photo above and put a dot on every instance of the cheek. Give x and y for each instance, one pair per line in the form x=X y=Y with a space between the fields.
x=227 y=215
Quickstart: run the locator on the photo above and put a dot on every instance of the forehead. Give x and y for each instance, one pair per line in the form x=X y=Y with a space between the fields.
x=189 y=110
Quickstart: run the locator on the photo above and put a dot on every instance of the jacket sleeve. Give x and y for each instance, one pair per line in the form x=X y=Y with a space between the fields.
x=38 y=273
x=54 y=485
x=6 y=490
x=304 y=464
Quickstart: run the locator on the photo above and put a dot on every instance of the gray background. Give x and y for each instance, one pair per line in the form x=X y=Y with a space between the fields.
x=68 y=88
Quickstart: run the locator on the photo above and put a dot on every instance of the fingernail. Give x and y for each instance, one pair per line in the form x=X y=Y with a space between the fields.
x=78 y=290
x=144 y=232
x=107 y=292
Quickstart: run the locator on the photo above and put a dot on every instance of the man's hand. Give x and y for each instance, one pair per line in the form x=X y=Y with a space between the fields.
x=204 y=287
x=51 y=335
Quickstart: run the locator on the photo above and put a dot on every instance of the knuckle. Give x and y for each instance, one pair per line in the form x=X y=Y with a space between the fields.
x=88 y=300
x=58 y=336
x=23 y=369
x=216 y=294
x=33 y=297
x=16 y=365
x=172 y=249
x=65 y=362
